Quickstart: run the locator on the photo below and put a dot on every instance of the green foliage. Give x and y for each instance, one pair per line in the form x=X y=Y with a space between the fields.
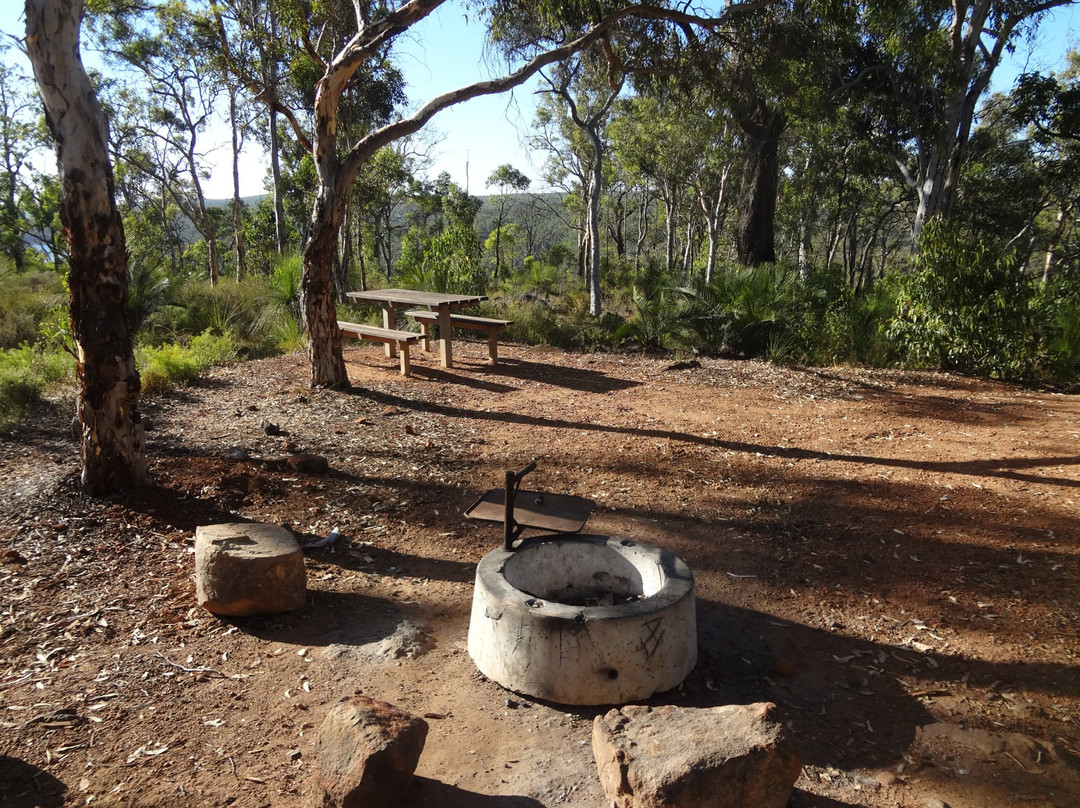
x=26 y=299
x=967 y=308
x=276 y=325
x=1061 y=301
x=762 y=311
x=148 y=290
x=25 y=374
x=652 y=323
x=741 y=311
x=540 y=277
x=172 y=364
x=449 y=262
x=837 y=324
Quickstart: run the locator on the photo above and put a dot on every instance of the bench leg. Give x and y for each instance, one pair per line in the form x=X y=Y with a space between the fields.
x=493 y=344
x=446 y=350
x=389 y=321
x=427 y=336
x=403 y=350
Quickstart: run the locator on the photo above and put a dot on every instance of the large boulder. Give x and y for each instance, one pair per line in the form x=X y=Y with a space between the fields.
x=367 y=753
x=244 y=569
x=732 y=756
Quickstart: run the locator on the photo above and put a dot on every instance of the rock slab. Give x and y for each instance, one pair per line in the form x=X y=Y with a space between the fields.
x=244 y=569
x=732 y=756
x=367 y=752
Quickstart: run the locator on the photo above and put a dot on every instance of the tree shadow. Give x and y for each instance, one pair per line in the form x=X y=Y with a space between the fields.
x=849 y=701
x=438 y=374
x=581 y=379
x=427 y=792
x=23 y=785
x=1006 y=468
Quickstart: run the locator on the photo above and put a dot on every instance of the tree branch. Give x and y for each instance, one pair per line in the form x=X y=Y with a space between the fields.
x=370 y=144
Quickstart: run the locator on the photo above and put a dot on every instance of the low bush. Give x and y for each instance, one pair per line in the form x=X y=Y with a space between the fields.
x=170 y=365
x=25 y=374
x=970 y=309
x=25 y=300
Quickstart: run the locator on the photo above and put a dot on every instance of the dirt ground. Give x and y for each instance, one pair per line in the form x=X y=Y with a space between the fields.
x=892 y=558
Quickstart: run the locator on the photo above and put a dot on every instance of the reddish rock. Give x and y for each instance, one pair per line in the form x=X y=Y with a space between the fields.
x=733 y=756
x=367 y=753
x=248 y=568
x=308 y=463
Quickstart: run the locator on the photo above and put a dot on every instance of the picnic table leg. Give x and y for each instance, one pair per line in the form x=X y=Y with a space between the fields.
x=446 y=352
x=389 y=321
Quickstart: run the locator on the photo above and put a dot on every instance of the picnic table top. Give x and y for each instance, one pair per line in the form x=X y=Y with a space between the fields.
x=412 y=297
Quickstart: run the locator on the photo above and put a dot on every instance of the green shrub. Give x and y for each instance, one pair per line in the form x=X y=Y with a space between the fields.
x=1063 y=342
x=742 y=311
x=836 y=324
x=652 y=323
x=25 y=300
x=969 y=309
x=25 y=374
x=167 y=366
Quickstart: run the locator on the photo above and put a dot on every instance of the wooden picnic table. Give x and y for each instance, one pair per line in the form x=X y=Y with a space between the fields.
x=443 y=304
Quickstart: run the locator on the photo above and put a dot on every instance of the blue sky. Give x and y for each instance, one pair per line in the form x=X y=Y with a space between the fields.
x=472 y=139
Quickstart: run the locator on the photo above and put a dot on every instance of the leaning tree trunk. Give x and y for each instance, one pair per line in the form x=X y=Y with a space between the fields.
x=756 y=241
x=112 y=443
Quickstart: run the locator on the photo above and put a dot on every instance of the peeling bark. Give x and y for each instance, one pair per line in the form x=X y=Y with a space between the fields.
x=110 y=426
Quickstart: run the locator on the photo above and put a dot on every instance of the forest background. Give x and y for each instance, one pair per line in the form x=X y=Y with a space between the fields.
x=803 y=182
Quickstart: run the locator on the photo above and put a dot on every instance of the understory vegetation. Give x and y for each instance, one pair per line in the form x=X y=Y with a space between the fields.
x=968 y=310
x=808 y=188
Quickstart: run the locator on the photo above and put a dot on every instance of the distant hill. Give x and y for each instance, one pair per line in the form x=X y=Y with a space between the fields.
x=250 y=201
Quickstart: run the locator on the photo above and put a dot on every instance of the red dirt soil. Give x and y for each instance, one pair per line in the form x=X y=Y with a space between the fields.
x=890 y=557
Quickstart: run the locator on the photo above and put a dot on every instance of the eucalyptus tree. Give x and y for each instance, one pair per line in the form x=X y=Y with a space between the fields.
x=253 y=48
x=933 y=62
x=110 y=428
x=565 y=168
x=587 y=86
x=379 y=190
x=842 y=202
x=20 y=138
x=40 y=205
x=789 y=64
x=650 y=138
x=359 y=43
x=509 y=182
x=1049 y=108
x=377 y=27
x=167 y=47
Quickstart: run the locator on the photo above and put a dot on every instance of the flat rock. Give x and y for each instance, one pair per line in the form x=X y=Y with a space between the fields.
x=245 y=569
x=679 y=757
x=366 y=753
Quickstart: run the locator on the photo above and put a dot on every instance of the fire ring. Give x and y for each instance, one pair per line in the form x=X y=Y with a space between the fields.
x=584 y=620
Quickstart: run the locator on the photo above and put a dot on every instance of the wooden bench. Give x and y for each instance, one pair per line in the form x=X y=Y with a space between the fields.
x=428 y=319
x=400 y=339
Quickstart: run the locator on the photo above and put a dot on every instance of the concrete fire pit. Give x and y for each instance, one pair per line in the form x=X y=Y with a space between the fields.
x=584 y=619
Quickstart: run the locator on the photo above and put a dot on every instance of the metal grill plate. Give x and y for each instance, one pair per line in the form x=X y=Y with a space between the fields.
x=558 y=513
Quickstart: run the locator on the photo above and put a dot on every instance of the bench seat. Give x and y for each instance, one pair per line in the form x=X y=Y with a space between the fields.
x=493 y=327
x=401 y=339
